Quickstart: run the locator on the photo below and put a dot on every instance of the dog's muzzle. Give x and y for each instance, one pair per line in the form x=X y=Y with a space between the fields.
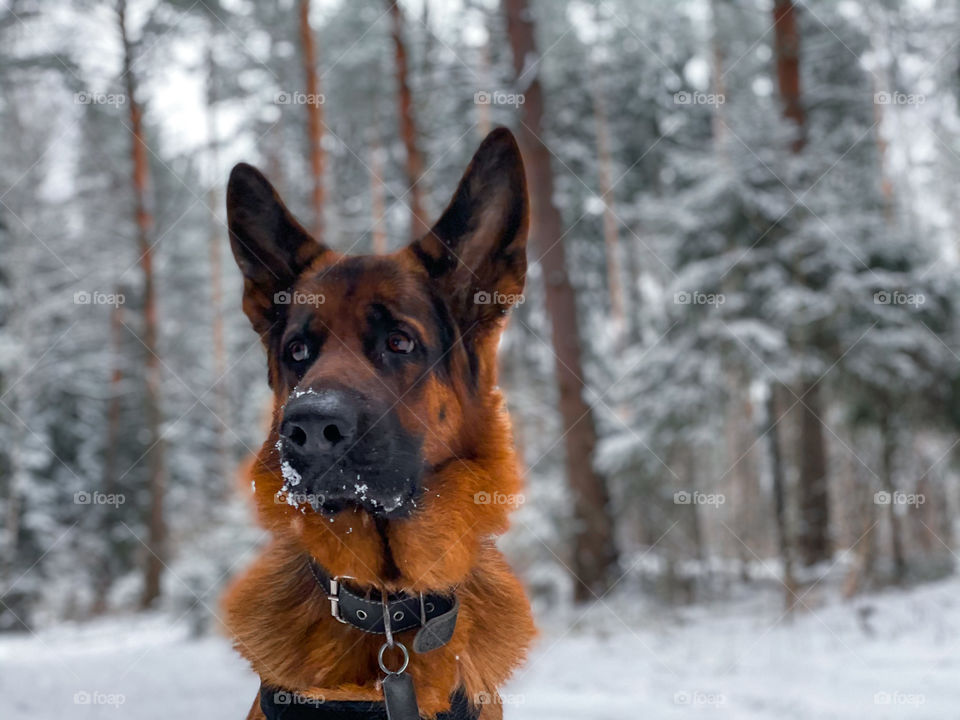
x=339 y=452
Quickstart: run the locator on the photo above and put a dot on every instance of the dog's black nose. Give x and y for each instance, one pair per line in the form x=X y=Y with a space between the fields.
x=318 y=424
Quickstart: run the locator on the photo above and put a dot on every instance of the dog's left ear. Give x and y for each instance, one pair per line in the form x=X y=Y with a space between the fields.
x=270 y=246
x=476 y=252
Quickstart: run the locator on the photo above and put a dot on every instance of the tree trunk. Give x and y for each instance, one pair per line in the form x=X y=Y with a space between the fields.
x=780 y=497
x=594 y=555
x=634 y=298
x=426 y=67
x=787 y=53
x=314 y=109
x=220 y=398
x=377 y=191
x=484 y=122
x=157 y=530
x=739 y=427
x=743 y=480
x=813 y=538
x=864 y=559
x=813 y=543
x=719 y=126
x=886 y=183
x=113 y=398
x=17 y=483
x=696 y=524
x=889 y=442
x=408 y=127
x=611 y=239
x=273 y=151
x=103 y=565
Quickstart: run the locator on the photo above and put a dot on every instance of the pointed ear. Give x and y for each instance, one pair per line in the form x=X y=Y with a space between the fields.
x=269 y=245
x=476 y=252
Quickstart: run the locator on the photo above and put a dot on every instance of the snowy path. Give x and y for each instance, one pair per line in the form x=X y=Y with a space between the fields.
x=899 y=659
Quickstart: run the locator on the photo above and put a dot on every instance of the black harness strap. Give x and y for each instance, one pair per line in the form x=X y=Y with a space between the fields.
x=279 y=704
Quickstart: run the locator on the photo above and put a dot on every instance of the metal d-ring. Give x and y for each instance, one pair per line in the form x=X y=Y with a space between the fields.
x=406 y=658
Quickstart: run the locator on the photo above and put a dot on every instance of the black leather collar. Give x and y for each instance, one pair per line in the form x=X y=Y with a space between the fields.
x=279 y=704
x=434 y=614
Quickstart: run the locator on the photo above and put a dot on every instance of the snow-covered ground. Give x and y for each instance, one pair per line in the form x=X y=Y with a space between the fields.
x=894 y=655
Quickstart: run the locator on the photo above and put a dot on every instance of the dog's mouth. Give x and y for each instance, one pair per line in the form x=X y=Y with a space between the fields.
x=389 y=489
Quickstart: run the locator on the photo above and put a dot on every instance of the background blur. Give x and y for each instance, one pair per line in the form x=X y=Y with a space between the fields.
x=734 y=378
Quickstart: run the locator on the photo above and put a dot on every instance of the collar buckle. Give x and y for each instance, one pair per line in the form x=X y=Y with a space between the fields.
x=333 y=595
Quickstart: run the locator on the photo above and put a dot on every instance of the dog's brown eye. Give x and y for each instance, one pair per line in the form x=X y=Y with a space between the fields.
x=399 y=342
x=298 y=351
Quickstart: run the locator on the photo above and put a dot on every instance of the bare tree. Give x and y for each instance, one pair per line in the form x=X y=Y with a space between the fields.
x=378 y=191
x=784 y=546
x=215 y=243
x=813 y=537
x=314 y=110
x=888 y=440
x=611 y=239
x=787 y=49
x=408 y=126
x=594 y=553
x=103 y=568
x=157 y=527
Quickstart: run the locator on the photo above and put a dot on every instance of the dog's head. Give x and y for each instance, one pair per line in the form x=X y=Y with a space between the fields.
x=383 y=368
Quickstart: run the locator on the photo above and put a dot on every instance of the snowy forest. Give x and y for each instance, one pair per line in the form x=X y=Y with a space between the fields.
x=734 y=375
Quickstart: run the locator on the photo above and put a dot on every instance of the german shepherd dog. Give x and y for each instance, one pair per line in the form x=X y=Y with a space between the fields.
x=389 y=469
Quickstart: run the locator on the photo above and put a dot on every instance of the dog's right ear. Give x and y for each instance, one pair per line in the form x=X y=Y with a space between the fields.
x=270 y=246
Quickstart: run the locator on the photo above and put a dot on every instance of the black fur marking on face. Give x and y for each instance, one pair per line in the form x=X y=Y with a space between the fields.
x=446 y=331
x=390 y=569
x=474 y=362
